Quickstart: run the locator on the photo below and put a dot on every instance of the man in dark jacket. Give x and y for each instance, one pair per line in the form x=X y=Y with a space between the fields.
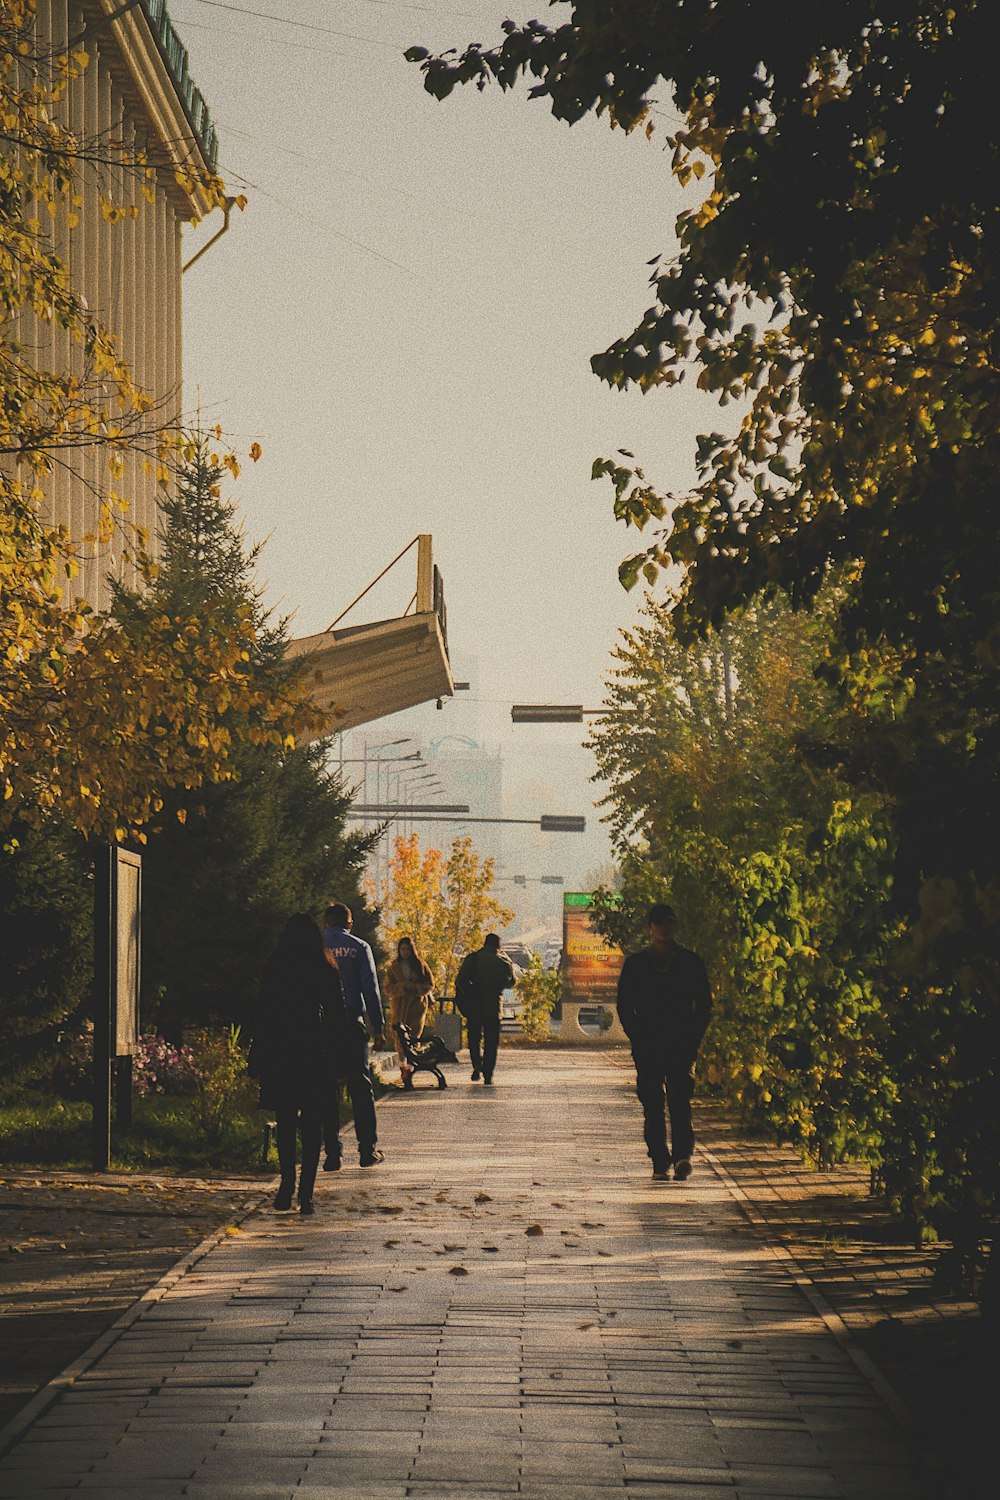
x=483 y=977
x=664 y=1003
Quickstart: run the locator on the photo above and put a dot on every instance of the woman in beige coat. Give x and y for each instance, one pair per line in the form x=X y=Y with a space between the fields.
x=409 y=985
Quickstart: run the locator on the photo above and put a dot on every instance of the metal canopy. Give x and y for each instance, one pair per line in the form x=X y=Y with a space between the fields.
x=359 y=673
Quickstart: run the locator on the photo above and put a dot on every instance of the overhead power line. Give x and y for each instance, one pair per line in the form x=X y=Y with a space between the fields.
x=264 y=15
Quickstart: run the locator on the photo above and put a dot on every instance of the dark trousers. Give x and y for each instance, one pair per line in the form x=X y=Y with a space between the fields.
x=484 y=1040
x=663 y=1087
x=362 y=1095
x=290 y=1121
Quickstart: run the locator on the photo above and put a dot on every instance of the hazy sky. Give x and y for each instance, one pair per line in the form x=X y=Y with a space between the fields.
x=404 y=317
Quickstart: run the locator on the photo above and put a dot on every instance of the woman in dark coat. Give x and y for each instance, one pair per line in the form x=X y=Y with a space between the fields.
x=301 y=1030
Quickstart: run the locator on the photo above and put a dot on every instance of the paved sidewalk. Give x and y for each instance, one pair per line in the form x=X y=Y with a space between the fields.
x=76 y=1251
x=508 y=1306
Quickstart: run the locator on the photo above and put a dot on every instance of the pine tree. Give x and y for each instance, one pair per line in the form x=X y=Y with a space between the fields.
x=46 y=942
x=219 y=883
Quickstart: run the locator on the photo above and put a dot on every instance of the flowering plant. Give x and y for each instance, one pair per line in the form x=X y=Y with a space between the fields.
x=158 y=1067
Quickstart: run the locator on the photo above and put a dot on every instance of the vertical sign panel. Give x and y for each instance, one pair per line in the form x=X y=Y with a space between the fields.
x=126 y=919
x=590 y=968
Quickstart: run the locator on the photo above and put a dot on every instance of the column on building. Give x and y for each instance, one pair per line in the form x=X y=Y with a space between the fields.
x=130 y=277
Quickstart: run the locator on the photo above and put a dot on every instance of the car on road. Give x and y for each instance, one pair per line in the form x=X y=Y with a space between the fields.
x=519 y=955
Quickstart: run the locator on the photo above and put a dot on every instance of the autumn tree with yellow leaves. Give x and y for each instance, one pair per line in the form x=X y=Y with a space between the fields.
x=94 y=725
x=443 y=903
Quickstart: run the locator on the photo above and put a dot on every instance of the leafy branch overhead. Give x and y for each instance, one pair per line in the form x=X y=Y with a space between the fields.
x=834 y=275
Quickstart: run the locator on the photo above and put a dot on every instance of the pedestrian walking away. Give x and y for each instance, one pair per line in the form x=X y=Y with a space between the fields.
x=409 y=985
x=299 y=1039
x=483 y=977
x=664 y=1004
x=356 y=965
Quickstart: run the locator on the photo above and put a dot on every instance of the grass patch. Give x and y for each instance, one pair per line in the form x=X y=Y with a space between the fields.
x=38 y=1129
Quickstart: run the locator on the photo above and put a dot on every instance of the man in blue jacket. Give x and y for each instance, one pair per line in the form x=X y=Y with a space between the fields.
x=356 y=963
x=664 y=1003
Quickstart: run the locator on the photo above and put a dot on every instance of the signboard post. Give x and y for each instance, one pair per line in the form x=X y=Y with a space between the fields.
x=590 y=968
x=117 y=924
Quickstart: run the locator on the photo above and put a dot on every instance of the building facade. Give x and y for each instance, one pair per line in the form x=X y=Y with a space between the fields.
x=135 y=93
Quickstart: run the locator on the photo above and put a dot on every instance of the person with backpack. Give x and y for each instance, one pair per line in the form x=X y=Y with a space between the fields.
x=483 y=977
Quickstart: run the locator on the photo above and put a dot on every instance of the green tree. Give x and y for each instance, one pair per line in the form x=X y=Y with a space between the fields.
x=835 y=275
x=695 y=746
x=46 y=939
x=538 y=990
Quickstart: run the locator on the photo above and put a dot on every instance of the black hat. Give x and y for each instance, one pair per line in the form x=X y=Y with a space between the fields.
x=660 y=914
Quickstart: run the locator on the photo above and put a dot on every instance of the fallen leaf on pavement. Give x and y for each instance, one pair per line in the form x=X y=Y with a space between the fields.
x=483 y=1198
x=534 y=1229
x=457 y=1271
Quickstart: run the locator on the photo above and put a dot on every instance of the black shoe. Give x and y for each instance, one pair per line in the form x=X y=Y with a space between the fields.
x=476 y=1075
x=307 y=1207
x=488 y=1078
x=283 y=1199
x=683 y=1169
x=372 y=1158
x=331 y=1164
x=661 y=1174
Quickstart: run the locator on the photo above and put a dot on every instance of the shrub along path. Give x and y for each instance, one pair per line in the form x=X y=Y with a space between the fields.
x=509 y=1306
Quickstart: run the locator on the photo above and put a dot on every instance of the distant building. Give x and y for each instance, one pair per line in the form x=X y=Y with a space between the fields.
x=136 y=89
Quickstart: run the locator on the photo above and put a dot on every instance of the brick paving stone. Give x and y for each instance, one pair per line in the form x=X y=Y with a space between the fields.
x=341 y=1355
